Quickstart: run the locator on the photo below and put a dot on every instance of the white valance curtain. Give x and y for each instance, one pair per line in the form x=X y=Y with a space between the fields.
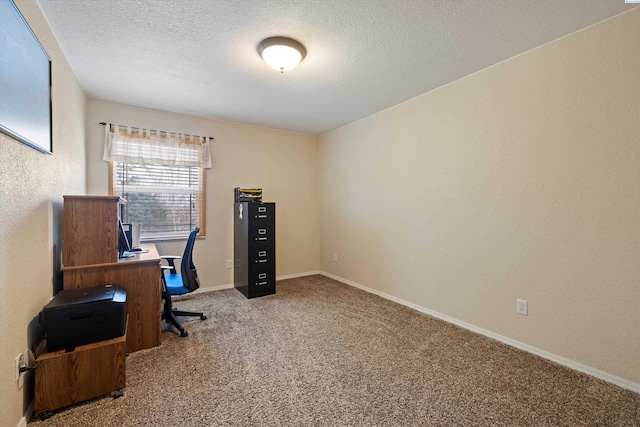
x=145 y=146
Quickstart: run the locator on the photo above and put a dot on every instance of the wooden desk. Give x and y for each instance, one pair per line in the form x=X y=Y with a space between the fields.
x=140 y=274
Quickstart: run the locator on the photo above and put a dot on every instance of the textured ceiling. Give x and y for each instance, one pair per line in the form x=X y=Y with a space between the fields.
x=199 y=56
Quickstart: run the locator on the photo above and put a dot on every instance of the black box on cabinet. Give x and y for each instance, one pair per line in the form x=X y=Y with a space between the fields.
x=85 y=315
x=254 y=248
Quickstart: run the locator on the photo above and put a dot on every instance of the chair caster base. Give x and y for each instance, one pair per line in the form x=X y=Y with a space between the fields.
x=184 y=334
x=203 y=317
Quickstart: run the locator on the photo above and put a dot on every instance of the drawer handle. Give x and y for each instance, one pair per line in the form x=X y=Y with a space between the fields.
x=261 y=283
x=262 y=231
x=262 y=209
x=261 y=238
x=262 y=276
x=261 y=216
x=261 y=260
x=262 y=253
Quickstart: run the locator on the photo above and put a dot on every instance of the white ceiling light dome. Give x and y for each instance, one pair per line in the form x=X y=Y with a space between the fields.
x=281 y=53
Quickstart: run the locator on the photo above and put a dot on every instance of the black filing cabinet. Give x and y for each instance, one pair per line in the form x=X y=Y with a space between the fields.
x=254 y=248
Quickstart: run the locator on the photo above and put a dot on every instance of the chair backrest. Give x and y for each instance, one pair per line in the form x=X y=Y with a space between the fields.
x=187 y=269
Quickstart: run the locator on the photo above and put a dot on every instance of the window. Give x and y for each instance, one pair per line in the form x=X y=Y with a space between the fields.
x=167 y=200
x=162 y=179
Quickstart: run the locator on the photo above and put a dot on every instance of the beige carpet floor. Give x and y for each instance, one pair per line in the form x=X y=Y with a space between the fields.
x=321 y=353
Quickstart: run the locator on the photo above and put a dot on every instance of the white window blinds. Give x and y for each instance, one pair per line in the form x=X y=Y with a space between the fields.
x=168 y=201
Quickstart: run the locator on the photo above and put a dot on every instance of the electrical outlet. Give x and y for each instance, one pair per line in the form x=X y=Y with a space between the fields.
x=335 y=257
x=522 y=307
x=229 y=263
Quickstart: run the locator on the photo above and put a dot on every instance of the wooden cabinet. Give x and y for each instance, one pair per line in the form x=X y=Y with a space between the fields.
x=91 y=370
x=91 y=229
x=90 y=257
x=254 y=248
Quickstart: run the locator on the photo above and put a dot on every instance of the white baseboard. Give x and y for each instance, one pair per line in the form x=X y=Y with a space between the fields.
x=621 y=382
x=230 y=285
x=213 y=288
x=293 y=276
x=27 y=415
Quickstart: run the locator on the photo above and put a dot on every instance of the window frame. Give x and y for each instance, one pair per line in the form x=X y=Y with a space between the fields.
x=168 y=237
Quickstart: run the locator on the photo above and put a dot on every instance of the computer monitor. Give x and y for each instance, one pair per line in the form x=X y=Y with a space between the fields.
x=123 y=241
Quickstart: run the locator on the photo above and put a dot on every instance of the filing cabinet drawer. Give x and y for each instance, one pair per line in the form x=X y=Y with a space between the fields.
x=261 y=283
x=262 y=215
x=261 y=256
x=262 y=234
x=261 y=278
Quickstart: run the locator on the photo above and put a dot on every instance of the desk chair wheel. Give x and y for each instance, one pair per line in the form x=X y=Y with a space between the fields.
x=184 y=333
x=203 y=317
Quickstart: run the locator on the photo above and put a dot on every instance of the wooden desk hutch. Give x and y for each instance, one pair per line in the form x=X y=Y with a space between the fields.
x=90 y=258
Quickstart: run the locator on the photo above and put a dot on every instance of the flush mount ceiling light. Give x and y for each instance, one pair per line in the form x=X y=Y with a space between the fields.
x=281 y=53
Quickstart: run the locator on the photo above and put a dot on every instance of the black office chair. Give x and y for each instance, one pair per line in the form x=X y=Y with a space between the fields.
x=174 y=283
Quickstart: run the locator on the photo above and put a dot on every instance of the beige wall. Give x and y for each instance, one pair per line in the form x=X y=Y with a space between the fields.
x=283 y=164
x=520 y=181
x=31 y=216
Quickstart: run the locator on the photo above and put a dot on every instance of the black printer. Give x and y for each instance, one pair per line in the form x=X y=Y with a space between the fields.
x=81 y=316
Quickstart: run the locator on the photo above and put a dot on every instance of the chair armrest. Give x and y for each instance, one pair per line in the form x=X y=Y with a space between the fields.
x=171 y=260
